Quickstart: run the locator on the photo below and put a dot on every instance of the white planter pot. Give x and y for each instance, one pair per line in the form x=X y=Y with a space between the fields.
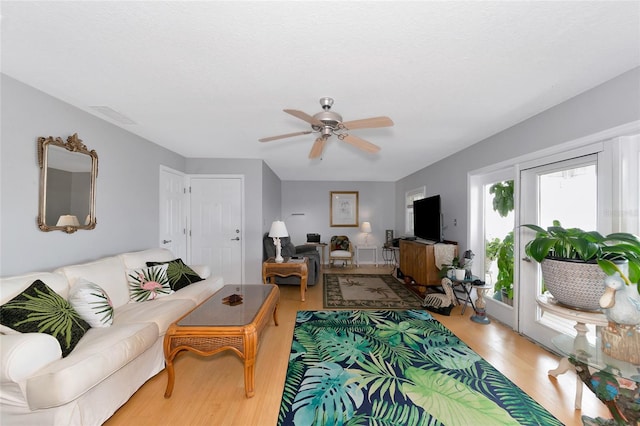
x=460 y=273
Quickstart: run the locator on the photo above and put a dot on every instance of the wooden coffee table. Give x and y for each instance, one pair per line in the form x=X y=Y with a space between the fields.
x=297 y=267
x=214 y=326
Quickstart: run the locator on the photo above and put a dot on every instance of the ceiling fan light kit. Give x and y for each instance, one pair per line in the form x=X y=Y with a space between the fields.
x=329 y=123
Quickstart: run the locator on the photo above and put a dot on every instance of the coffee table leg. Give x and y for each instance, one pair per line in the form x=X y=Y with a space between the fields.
x=171 y=377
x=250 y=347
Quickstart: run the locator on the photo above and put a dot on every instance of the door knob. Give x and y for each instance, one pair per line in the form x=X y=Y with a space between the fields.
x=166 y=241
x=235 y=239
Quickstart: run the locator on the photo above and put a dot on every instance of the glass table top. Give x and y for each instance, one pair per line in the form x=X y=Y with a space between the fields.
x=213 y=312
x=592 y=355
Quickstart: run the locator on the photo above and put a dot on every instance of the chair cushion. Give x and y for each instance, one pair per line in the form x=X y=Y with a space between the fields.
x=340 y=253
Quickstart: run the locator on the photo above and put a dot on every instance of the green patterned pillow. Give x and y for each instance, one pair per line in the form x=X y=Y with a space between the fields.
x=92 y=303
x=39 y=309
x=179 y=274
x=148 y=283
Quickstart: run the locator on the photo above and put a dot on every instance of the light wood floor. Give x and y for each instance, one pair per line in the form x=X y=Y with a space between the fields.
x=211 y=390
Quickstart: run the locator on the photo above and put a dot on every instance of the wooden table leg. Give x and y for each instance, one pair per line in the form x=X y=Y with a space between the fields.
x=250 y=349
x=171 y=377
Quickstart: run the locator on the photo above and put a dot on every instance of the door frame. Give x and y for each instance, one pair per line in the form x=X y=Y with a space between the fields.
x=185 y=209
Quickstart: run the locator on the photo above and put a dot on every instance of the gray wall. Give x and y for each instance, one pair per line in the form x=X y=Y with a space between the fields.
x=127 y=186
x=611 y=104
x=312 y=199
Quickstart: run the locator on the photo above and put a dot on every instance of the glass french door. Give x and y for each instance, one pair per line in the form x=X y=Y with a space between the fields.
x=492 y=201
x=566 y=191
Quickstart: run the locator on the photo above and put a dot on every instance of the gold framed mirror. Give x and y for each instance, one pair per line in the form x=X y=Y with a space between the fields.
x=68 y=173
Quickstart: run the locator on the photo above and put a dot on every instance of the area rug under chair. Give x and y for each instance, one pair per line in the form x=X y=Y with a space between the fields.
x=394 y=367
x=362 y=291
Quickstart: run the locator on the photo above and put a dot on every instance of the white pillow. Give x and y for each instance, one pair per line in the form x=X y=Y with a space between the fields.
x=92 y=303
x=148 y=283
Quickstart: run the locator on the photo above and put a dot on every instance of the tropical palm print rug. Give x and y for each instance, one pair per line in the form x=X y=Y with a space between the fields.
x=359 y=291
x=394 y=367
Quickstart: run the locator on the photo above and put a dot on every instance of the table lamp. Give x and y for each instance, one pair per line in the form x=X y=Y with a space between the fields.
x=366 y=228
x=277 y=231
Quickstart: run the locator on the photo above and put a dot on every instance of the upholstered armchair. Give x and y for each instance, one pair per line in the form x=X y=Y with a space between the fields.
x=340 y=248
x=288 y=250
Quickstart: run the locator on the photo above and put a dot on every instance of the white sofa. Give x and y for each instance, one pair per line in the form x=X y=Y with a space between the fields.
x=39 y=387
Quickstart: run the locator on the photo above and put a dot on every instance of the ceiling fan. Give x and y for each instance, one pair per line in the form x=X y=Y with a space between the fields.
x=328 y=123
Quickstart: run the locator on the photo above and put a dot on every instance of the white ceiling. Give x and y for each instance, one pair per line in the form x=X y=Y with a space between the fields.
x=207 y=79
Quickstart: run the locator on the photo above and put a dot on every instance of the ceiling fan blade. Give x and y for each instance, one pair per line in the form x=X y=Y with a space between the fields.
x=360 y=143
x=318 y=146
x=304 y=116
x=367 y=123
x=288 y=135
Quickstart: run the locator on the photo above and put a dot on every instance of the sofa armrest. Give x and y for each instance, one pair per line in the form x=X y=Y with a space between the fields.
x=22 y=354
x=305 y=248
x=203 y=270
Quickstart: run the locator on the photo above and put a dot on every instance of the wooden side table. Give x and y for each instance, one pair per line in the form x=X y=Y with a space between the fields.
x=296 y=267
x=548 y=304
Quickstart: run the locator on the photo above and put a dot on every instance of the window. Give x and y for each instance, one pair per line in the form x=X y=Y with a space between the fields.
x=410 y=197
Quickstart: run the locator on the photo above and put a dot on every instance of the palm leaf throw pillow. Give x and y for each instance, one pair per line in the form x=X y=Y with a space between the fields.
x=179 y=274
x=148 y=283
x=39 y=309
x=92 y=303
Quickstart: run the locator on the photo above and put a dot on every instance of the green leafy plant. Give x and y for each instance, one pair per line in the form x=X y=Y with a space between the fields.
x=456 y=263
x=588 y=246
x=502 y=197
x=504 y=281
x=491 y=249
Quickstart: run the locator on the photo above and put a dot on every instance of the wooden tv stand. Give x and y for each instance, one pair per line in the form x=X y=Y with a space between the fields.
x=418 y=261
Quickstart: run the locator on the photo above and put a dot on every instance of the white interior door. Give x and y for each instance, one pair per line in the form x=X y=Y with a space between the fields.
x=216 y=237
x=566 y=191
x=173 y=214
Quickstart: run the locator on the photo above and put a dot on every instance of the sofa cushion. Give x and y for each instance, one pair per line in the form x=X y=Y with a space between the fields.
x=39 y=309
x=200 y=291
x=179 y=274
x=92 y=303
x=139 y=259
x=148 y=283
x=109 y=273
x=12 y=286
x=161 y=311
x=101 y=352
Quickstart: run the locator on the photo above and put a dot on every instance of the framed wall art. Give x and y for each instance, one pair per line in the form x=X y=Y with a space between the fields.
x=344 y=208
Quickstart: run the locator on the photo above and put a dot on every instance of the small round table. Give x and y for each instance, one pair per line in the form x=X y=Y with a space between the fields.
x=480 y=315
x=616 y=383
x=547 y=303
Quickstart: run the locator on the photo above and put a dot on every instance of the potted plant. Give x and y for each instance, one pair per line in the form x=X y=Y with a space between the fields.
x=574 y=262
x=457 y=268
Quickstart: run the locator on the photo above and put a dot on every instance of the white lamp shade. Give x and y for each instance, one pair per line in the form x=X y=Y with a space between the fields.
x=278 y=229
x=366 y=227
x=68 y=220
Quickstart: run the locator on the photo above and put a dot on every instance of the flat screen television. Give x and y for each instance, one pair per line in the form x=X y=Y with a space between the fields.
x=427 y=219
